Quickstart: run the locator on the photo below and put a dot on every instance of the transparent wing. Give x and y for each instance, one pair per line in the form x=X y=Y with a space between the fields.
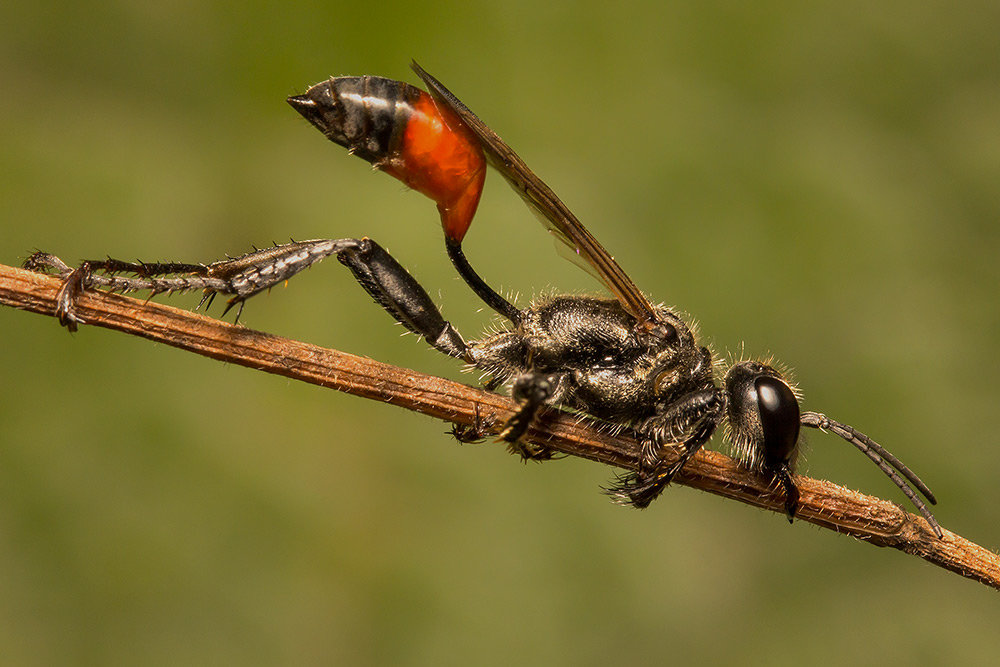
x=546 y=205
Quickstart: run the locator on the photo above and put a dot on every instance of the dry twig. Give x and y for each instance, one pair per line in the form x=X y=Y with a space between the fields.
x=878 y=522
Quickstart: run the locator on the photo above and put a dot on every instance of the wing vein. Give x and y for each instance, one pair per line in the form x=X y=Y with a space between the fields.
x=540 y=197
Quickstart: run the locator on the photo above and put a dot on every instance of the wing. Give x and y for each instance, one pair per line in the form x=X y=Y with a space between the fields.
x=546 y=205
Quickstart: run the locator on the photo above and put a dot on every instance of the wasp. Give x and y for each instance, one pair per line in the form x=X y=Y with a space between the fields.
x=624 y=361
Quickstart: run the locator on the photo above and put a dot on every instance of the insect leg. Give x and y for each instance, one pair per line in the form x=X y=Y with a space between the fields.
x=401 y=295
x=696 y=416
x=241 y=276
x=103 y=273
x=783 y=474
x=474 y=433
x=532 y=391
x=377 y=272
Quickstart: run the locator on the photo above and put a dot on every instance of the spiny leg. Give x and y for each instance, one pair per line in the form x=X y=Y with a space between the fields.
x=241 y=276
x=474 y=433
x=377 y=272
x=532 y=391
x=697 y=414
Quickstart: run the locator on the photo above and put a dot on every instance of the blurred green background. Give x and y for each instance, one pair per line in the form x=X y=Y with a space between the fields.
x=816 y=180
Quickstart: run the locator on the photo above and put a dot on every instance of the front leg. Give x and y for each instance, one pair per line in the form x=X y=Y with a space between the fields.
x=692 y=420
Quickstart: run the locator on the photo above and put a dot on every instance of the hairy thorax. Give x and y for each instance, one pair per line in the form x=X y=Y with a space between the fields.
x=607 y=366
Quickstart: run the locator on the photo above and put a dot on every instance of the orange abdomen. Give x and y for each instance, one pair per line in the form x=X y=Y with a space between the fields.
x=401 y=130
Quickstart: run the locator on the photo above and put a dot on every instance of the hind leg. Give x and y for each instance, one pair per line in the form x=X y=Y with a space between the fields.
x=388 y=283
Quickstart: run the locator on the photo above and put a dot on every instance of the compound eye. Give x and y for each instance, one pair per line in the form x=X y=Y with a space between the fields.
x=779 y=417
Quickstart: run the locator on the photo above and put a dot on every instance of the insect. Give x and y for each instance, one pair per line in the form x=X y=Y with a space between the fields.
x=622 y=360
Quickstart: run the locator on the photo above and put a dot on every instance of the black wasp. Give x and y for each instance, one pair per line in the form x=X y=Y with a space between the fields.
x=624 y=360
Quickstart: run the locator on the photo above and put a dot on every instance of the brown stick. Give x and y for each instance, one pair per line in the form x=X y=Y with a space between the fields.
x=872 y=520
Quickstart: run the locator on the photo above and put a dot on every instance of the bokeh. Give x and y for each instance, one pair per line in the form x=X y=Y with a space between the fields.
x=818 y=181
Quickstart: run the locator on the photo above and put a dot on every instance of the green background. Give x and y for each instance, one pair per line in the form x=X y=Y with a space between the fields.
x=815 y=180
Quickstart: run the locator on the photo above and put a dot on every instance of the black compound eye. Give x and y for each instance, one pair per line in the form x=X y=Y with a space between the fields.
x=779 y=417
